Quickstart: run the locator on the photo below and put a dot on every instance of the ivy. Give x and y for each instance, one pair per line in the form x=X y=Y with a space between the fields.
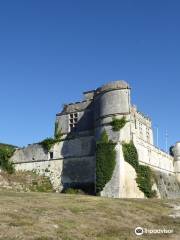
x=6 y=152
x=144 y=174
x=48 y=143
x=118 y=124
x=131 y=155
x=145 y=181
x=105 y=161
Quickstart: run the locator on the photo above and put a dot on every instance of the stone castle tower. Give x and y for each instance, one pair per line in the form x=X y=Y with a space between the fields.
x=72 y=162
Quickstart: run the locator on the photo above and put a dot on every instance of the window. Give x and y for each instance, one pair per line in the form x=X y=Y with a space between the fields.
x=51 y=155
x=135 y=123
x=73 y=119
x=149 y=154
x=148 y=134
x=140 y=128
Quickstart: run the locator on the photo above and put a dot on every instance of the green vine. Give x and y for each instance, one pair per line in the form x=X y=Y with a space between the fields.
x=48 y=143
x=118 y=124
x=105 y=161
x=6 y=152
x=145 y=181
x=131 y=155
x=144 y=174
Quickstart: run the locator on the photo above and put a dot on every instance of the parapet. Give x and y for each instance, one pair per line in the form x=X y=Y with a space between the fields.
x=115 y=85
x=89 y=95
x=75 y=107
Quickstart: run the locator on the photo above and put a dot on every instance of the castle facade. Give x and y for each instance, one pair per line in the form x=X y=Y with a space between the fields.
x=72 y=161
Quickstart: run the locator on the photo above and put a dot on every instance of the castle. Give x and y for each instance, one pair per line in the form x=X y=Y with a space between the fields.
x=72 y=162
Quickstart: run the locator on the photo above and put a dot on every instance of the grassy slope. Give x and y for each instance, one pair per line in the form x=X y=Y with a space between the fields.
x=24 y=181
x=50 y=216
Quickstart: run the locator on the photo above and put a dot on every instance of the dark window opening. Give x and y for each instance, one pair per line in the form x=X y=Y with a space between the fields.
x=51 y=155
x=73 y=119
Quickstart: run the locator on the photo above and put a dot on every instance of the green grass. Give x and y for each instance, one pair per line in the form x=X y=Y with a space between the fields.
x=52 y=216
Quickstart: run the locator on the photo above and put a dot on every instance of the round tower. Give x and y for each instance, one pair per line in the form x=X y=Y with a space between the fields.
x=176 y=151
x=111 y=100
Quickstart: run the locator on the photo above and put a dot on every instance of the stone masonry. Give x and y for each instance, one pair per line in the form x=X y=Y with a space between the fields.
x=72 y=162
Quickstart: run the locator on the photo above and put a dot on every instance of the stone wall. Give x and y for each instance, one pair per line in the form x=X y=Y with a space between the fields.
x=49 y=168
x=63 y=173
x=31 y=153
x=123 y=182
x=167 y=184
x=73 y=162
x=154 y=157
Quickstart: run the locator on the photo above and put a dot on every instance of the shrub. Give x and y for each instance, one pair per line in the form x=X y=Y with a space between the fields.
x=118 y=124
x=48 y=143
x=6 y=153
x=105 y=161
x=144 y=174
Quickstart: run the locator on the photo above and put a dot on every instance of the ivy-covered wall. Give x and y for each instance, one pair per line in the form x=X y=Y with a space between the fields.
x=144 y=178
x=105 y=161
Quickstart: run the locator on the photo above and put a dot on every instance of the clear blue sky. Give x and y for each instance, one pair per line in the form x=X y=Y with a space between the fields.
x=52 y=51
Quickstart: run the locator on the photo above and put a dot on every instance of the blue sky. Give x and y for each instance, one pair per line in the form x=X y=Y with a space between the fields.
x=52 y=51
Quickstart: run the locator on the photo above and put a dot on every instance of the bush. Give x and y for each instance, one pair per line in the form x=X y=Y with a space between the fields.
x=48 y=143
x=118 y=124
x=105 y=161
x=144 y=174
x=6 y=153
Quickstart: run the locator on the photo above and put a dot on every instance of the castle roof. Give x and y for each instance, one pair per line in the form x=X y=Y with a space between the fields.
x=119 y=84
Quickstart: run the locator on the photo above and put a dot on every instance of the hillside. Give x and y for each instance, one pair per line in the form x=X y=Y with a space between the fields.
x=51 y=216
x=7 y=145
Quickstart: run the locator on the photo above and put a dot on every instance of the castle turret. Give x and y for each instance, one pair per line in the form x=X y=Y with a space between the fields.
x=176 y=151
x=111 y=100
